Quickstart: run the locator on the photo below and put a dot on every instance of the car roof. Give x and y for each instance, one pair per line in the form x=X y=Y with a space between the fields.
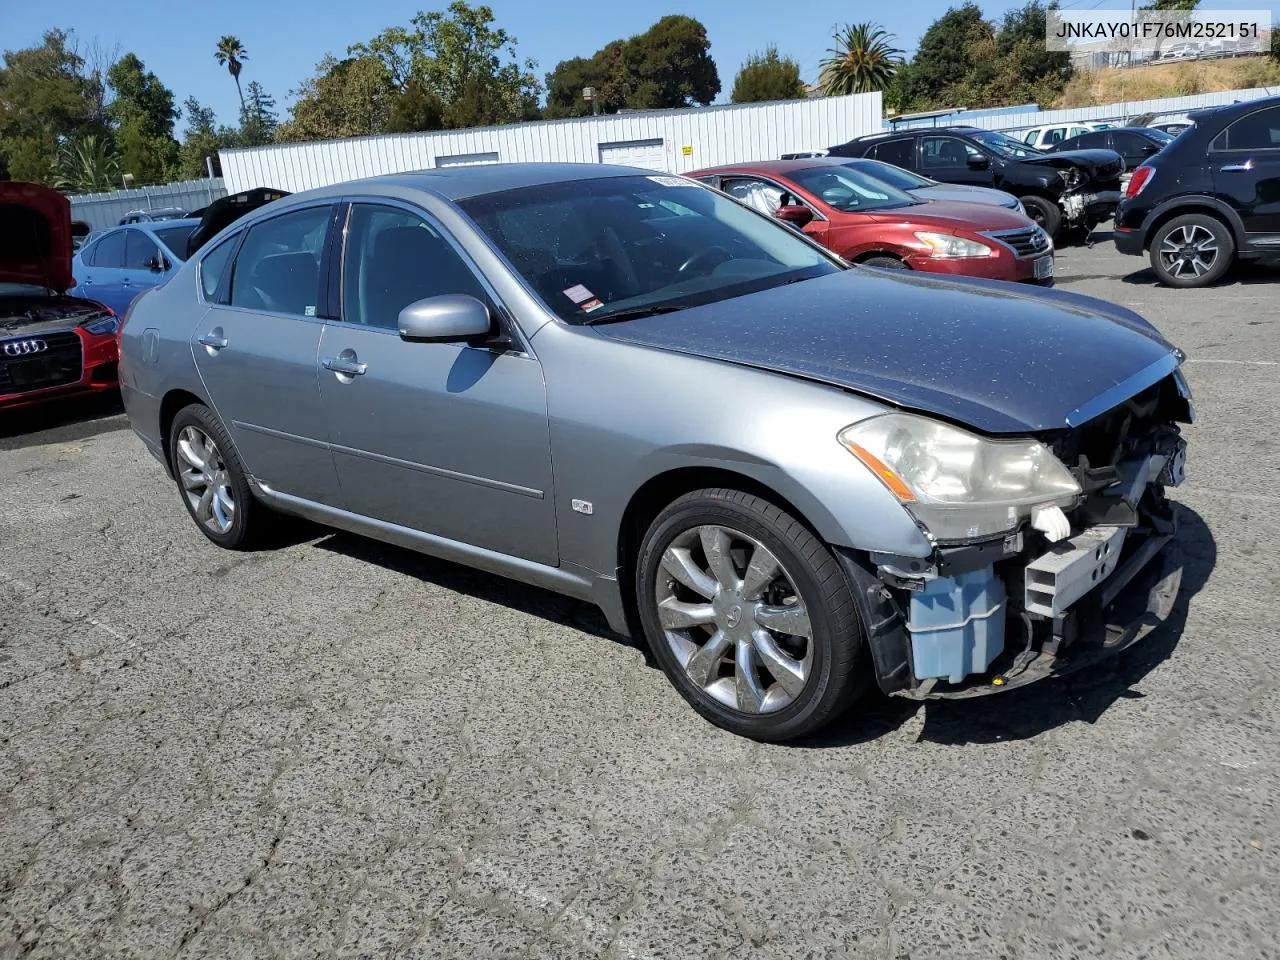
x=777 y=167
x=1231 y=109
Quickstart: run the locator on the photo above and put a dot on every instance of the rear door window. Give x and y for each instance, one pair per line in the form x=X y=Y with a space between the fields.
x=278 y=267
x=109 y=251
x=901 y=153
x=1257 y=131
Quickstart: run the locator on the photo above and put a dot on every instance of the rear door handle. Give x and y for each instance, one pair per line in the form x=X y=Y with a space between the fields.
x=346 y=366
x=212 y=340
x=1237 y=168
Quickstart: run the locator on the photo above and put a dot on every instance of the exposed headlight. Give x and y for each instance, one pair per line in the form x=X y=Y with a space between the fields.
x=1070 y=176
x=945 y=245
x=958 y=485
x=108 y=324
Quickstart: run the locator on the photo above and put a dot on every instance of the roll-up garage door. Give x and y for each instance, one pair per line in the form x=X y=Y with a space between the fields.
x=635 y=153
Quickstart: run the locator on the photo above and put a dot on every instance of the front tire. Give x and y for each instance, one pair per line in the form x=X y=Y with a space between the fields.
x=1045 y=213
x=749 y=615
x=886 y=262
x=1193 y=250
x=211 y=479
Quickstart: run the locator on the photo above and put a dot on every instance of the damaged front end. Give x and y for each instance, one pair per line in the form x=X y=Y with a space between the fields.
x=1090 y=193
x=1071 y=580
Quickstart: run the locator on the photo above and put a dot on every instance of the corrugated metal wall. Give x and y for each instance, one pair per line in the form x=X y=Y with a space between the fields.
x=102 y=210
x=1120 y=111
x=690 y=139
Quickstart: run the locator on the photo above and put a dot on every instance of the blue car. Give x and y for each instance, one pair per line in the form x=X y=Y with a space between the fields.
x=118 y=264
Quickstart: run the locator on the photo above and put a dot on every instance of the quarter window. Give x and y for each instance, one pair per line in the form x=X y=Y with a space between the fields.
x=278 y=267
x=1257 y=131
x=394 y=258
x=213 y=266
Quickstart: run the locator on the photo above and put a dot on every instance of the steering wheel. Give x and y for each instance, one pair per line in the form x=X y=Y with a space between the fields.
x=706 y=254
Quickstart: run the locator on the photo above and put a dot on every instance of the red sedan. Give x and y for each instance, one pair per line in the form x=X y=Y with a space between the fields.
x=868 y=221
x=51 y=345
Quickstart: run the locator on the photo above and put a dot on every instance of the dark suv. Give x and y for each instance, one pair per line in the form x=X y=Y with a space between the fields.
x=1209 y=197
x=1077 y=188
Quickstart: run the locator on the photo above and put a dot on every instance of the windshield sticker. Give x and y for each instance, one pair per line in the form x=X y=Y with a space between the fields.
x=673 y=181
x=592 y=304
x=578 y=293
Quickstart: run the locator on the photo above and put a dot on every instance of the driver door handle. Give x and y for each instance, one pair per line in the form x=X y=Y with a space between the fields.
x=344 y=365
x=212 y=341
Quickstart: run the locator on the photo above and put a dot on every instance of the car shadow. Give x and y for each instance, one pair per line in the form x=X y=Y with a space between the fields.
x=535 y=601
x=1245 y=273
x=62 y=421
x=1039 y=707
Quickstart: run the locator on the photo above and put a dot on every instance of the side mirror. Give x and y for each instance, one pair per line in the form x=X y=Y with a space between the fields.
x=980 y=162
x=451 y=318
x=1150 y=149
x=796 y=214
x=157 y=263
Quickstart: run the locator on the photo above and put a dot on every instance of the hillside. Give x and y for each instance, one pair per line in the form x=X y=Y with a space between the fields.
x=1169 y=80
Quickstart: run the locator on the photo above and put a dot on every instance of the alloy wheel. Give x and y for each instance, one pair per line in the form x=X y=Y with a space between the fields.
x=1189 y=251
x=205 y=480
x=734 y=619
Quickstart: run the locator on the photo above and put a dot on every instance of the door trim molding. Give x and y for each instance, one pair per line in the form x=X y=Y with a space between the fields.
x=447 y=474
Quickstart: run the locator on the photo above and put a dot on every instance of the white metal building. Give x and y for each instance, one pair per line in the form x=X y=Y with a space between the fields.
x=674 y=141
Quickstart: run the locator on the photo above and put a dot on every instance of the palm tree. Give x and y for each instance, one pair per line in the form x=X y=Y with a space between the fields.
x=864 y=59
x=231 y=53
x=86 y=165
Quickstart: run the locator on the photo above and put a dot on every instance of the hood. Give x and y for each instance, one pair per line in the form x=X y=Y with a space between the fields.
x=35 y=236
x=953 y=215
x=958 y=191
x=1101 y=164
x=37 y=313
x=994 y=356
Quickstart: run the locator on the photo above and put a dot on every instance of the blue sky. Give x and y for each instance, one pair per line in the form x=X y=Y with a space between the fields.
x=285 y=38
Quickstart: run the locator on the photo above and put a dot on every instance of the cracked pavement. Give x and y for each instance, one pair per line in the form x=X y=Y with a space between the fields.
x=335 y=748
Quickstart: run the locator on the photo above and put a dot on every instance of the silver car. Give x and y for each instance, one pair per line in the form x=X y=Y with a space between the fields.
x=794 y=478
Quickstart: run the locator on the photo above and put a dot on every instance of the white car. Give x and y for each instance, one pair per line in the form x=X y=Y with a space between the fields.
x=1045 y=137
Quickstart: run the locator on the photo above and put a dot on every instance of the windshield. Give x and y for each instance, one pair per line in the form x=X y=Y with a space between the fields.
x=1006 y=145
x=599 y=247
x=175 y=238
x=888 y=173
x=850 y=190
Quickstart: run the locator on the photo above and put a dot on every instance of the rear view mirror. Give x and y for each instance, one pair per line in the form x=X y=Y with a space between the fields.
x=796 y=214
x=979 y=162
x=451 y=318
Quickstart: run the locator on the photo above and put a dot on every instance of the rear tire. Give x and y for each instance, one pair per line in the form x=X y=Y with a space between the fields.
x=211 y=479
x=749 y=615
x=1045 y=213
x=1193 y=250
x=887 y=262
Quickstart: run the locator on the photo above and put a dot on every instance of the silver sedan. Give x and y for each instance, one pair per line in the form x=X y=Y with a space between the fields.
x=795 y=479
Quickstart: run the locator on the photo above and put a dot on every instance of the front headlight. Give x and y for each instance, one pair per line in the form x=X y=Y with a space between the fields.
x=945 y=245
x=958 y=485
x=108 y=324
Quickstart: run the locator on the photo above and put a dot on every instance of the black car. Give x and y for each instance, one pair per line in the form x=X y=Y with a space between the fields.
x=1134 y=144
x=1209 y=197
x=1076 y=189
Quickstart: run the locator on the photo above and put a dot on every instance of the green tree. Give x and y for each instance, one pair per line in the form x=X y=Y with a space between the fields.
x=46 y=97
x=143 y=112
x=942 y=59
x=230 y=53
x=1171 y=5
x=864 y=59
x=416 y=108
x=666 y=66
x=346 y=98
x=258 y=119
x=86 y=164
x=767 y=76
x=202 y=141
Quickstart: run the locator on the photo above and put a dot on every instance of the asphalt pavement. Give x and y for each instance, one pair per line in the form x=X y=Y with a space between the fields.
x=334 y=748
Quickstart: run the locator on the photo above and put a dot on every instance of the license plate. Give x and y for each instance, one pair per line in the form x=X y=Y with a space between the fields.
x=1044 y=268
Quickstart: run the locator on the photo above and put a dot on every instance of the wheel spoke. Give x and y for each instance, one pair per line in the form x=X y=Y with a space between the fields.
x=703 y=666
x=189 y=452
x=792 y=620
x=222 y=510
x=761 y=571
x=1199 y=266
x=204 y=507
x=679 y=562
x=715 y=544
x=746 y=683
x=1169 y=247
x=193 y=480
x=677 y=615
x=789 y=672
